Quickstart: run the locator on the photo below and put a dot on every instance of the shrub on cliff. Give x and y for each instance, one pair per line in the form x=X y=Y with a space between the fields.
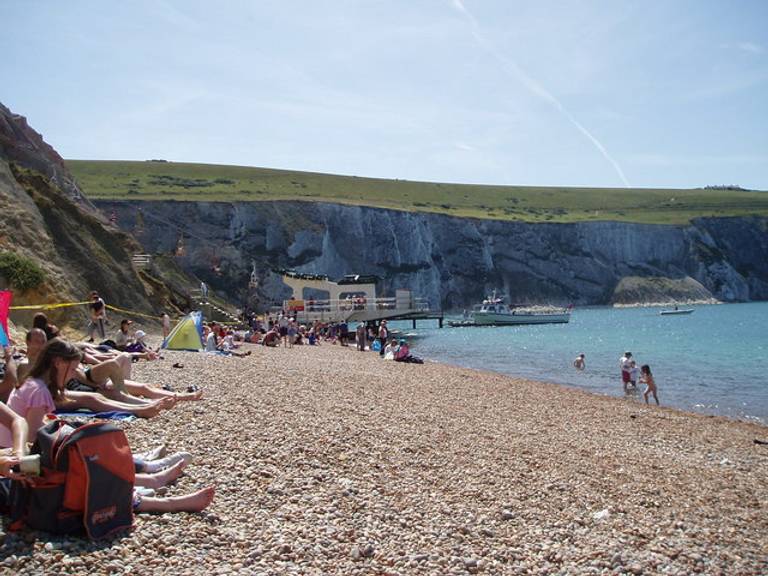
x=21 y=272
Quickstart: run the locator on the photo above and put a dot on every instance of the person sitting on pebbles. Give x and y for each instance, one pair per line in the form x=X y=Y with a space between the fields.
x=271 y=338
x=43 y=388
x=109 y=379
x=403 y=354
x=123 y=337
x=390 y=349
x=153 y=472
x=216 y=346
x=139 y=344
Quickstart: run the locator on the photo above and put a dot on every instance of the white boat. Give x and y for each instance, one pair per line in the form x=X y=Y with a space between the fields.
x=493 y=312
x=676 y=311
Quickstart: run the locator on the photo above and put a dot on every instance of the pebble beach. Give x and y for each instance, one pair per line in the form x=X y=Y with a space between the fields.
x=331 y=461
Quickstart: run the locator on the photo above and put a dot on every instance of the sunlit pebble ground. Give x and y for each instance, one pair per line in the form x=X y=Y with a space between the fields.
x=331 y=461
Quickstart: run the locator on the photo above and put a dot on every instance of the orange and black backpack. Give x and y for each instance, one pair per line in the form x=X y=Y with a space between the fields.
x=85 y=483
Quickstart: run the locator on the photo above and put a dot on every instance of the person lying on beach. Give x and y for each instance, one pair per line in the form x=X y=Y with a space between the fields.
x=44 y=389
x=650 y=384
x=108 y=377
x=96 y=354
x=579 y=362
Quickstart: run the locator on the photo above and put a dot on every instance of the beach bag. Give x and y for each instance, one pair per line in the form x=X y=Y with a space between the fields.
x=85 y=483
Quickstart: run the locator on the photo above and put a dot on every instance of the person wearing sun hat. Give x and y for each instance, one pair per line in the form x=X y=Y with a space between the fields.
x=402 y=351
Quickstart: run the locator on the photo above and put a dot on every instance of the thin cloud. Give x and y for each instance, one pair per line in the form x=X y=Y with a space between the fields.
x=535 y=87
x=751 y=47
x=463 y=146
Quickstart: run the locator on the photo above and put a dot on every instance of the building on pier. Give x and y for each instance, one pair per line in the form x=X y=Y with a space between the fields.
x=352 y=298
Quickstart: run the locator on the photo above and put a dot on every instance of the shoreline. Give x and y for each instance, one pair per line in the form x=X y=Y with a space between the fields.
x=331 y=461
x=632 y=401
x=704 y=302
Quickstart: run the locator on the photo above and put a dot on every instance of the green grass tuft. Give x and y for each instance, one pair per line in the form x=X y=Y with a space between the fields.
x=21 y=272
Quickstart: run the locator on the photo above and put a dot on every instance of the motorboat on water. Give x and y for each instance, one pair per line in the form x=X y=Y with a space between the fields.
x=676 y=310
x=494 y=312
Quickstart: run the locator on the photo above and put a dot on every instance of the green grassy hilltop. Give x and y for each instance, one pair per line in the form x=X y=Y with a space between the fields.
x=159 y=180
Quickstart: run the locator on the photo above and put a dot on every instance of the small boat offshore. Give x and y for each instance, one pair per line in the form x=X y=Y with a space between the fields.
x=494 y=312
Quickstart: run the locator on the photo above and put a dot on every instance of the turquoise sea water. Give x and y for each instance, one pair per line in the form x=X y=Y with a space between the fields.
x=713 y=361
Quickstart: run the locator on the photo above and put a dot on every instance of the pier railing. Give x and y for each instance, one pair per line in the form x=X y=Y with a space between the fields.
x=354 y=309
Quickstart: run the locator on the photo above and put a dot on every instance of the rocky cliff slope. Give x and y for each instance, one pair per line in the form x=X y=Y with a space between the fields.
x=455 y=261
x=47 y=225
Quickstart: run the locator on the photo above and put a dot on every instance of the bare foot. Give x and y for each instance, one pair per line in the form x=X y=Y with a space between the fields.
x=169 y=475
x=196 y=501
x=154 y=453
x=149 y=411
x=167 y=403
x=190 y=396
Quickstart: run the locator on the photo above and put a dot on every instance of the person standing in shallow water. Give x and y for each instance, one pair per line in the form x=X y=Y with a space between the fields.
x=625 y=367
x=650 y=384
x=579 y=363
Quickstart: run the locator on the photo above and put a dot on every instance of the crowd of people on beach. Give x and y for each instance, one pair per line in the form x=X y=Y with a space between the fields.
x=47 y=375
x=285 y=330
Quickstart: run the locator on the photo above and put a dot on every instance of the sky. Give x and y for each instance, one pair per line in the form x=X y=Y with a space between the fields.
x=609 y=93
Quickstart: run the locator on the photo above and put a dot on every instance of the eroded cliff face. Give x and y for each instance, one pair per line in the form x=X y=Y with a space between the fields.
x=453 y=261
x=47 y=221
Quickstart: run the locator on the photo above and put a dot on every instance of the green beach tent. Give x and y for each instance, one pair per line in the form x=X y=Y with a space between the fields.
x=187 y=334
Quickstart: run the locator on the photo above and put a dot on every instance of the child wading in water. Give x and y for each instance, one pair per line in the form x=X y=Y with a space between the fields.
x=650 y=385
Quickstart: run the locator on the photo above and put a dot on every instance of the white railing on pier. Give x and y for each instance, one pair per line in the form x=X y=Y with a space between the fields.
x=354 y=309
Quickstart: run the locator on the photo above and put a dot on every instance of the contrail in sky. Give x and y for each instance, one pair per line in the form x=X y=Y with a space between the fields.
x=535 y=87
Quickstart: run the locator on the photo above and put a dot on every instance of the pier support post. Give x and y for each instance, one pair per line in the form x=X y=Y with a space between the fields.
x=440 y=322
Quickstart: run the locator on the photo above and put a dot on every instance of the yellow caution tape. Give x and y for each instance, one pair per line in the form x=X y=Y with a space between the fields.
x=48 y=306
x=115 y=308
x=132 y=313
